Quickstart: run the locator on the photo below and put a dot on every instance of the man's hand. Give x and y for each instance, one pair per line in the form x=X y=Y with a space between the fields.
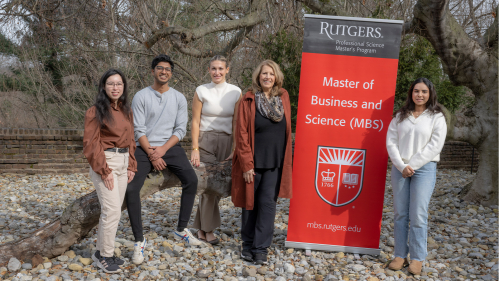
x=157 y=152
x=130 y=175
x=109 y=181
x=407 y=172
x=248 y=176
x=159 y=164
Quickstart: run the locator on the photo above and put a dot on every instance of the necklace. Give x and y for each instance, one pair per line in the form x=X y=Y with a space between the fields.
x=416 y=115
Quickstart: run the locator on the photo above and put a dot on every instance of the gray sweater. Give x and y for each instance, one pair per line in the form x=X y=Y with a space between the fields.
x=159 y=116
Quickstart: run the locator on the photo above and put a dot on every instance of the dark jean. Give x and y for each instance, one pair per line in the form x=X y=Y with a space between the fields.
x=257 y=229
x=176 y=160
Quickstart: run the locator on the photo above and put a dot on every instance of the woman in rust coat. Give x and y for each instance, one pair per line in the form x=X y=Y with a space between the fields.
x=262 y=164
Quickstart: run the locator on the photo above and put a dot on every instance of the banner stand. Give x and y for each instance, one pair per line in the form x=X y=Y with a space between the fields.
x=332 y=248
x=346 y=97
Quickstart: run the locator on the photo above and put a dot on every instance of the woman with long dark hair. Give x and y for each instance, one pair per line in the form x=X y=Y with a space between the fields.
x=414 y=141
x=109 y=145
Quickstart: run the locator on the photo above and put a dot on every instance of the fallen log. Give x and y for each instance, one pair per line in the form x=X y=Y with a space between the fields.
x=83 y=214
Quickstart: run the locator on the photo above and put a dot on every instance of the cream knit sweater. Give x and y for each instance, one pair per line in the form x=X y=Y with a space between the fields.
x=416 y=141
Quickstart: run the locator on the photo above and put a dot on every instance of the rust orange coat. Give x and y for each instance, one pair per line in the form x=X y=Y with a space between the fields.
x=243 y=193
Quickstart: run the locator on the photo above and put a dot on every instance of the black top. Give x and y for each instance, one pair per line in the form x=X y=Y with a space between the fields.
x=270 y=142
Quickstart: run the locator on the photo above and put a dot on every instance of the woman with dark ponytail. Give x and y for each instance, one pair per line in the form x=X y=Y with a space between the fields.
x=109 y=146
x=415 y=138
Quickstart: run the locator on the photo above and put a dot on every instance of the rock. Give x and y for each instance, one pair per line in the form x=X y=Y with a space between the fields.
x=340 y=256
x=117 y=252
x=300 y=270
x=27 y=266
x=307 y=277
x=36 y=260
x=204 y=273
x=289 y=268
x=75 y=267
x=249 y=271
x=70 y=254
x=389 y=272
x=63 y=258
x=484 y=247
x=262 y=270
x=449 y=249
x=14 y=265
x=86 y=261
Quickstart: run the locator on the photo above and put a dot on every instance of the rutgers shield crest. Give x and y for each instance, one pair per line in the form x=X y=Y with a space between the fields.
x=339 y=174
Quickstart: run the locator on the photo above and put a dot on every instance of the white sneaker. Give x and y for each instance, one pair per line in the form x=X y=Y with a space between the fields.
x=138 y=252
x=187 y=236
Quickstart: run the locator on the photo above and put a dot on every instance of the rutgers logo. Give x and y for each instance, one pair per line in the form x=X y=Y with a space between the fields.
x=339 y=174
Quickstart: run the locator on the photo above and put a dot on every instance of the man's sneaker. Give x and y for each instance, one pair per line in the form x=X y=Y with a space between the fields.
x=187 y=237
x=261 y=258
x=96 y=256
x=138 y=252
x=247 y=255
x=108 y=265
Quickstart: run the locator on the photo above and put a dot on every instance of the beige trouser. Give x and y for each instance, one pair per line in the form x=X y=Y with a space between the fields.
x=214 y=147
x=110 y=201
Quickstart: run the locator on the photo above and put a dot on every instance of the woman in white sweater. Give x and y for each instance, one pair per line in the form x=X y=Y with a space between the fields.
x=415 y=138
x=214 y=111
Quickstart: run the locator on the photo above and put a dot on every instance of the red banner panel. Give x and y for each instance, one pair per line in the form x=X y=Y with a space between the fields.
x=344 y=109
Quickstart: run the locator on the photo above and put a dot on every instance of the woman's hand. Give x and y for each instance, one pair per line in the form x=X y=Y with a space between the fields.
x=109 y=181
x=230 y=156
x=407 y=172
x=130 y=175
x=248 y=176
x=195 y=158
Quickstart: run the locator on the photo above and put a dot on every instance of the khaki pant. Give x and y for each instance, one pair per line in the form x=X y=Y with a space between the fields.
x=214 y=147
x=110 y=201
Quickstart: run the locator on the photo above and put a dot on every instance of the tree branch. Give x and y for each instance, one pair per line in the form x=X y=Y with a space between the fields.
x=323 y=7
x=224 y=11
x=254 y=17
x=463 y=59
x=489 y=39
x=409 y=27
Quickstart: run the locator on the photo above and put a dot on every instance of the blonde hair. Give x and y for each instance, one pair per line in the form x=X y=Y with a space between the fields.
x=219 y=58
x=279 y=78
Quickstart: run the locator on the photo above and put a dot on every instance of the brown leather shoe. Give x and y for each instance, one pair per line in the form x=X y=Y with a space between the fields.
x=415 y=267
x=397 y=263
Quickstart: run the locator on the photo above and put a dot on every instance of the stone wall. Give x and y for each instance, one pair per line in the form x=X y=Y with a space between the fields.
x=45 y=151
x=458 y=155
x=60 y=151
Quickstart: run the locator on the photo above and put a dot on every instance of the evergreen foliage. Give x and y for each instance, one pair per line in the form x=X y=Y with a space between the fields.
x=418 y=59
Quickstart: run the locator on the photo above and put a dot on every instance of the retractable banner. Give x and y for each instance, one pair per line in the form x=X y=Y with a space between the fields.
x=347 y=91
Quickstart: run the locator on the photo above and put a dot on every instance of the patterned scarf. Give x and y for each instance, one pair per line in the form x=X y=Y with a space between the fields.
x=269 y=108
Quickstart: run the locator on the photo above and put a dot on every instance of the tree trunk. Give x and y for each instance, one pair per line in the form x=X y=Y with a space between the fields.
x=473 y=64
x=83 y=214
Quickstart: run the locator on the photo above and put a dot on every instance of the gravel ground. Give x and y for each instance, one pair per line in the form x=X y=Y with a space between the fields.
x=462 y=240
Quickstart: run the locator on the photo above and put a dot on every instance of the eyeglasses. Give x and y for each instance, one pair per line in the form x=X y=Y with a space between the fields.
x=160 y=69
x=119 y=85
